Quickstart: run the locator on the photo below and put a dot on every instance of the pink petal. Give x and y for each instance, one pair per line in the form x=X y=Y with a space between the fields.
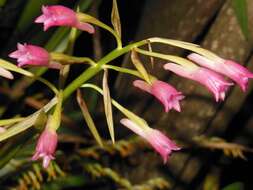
x=85 y=27
x=142 y=85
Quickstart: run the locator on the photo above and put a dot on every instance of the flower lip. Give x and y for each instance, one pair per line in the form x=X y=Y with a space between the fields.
x=164 y=92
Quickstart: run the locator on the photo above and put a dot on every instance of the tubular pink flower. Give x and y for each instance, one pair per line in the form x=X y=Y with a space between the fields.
x=33 y=55
x=162 y=144
x=46 y=147
x=58 y=15
x=212 y=80
x=164 y=92
x=229 y=68
x=5 y=73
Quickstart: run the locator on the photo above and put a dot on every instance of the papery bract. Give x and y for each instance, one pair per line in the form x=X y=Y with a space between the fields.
x=46 y=147
x=161 y=143
x=229 y=68
x=5 y=73
x=212 y=80
x=164 y=92
x=58 y=15
x=33 y=55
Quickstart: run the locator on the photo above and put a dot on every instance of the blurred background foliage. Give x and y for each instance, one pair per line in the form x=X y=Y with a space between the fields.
x=216 y=138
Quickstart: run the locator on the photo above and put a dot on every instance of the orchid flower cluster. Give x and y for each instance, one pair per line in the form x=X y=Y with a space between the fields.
x=214 y=73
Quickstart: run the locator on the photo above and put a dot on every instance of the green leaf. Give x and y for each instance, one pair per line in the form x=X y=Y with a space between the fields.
x=88 y=118
x=240 y=7
x=234 y=186
x=9 y=66
x=27 y=122
x=115 y=18
x=108 y=105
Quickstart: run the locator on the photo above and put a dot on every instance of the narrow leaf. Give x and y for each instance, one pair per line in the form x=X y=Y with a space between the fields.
x=27 y=122
x=108 y=105
x=88 y=118
x=139 y=66
x=132 y=116
x=240 y=7
x=115 y=18
x=9 y=66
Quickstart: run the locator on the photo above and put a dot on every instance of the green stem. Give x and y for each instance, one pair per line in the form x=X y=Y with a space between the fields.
x=56 y=117
x=185 y=45
x=67 y=59
x=128 y=71
x=87 y=18
x=93 y=70
x=4 y=122
x=172 y=58
x=48 y=84
x=123 y=70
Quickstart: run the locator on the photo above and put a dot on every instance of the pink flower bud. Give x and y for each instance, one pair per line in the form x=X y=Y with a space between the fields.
x=46 y=147
x=162 y=144
x=214 y=82
x=164 y=92
x=33 y=55
x=229 y=68
x=5 y=73
x=58 y=15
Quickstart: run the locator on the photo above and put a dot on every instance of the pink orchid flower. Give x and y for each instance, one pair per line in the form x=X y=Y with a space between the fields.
x=229 y=68
x=58 y=15
x=164 y=92
x=46 y=147
x=34 y=56
x=162 y=144
x=214 y=82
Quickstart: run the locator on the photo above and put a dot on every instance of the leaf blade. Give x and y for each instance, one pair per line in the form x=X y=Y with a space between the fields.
x=115 y=18
x=108 y=105
x=88 y=118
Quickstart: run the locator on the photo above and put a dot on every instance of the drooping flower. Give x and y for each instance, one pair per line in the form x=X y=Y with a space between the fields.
x=33 y=56
x=161 y=143
x=229 y=68
x=164 y=92
x=58 y=15
x=212 y=80
x=5 y=73
x=46 y=147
